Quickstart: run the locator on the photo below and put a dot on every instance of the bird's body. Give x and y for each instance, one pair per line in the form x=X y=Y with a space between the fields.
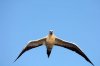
x=51 y=40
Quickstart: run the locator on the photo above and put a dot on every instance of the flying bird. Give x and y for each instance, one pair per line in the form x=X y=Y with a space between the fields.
x=49 y=41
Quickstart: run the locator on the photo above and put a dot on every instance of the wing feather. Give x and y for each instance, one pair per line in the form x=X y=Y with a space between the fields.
x=73 y=47
x=30 y=45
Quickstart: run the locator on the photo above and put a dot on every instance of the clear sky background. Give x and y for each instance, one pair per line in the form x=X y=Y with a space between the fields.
x=77 y=21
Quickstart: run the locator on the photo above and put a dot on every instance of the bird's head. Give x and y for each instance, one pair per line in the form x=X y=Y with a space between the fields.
x=51 y=32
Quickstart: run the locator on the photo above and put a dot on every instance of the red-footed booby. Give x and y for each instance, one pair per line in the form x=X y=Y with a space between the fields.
x=51 y=40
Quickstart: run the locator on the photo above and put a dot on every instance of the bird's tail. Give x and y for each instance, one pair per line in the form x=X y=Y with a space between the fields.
x=49 y=51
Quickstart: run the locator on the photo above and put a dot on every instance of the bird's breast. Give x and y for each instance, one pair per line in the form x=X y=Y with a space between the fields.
x=50 y=39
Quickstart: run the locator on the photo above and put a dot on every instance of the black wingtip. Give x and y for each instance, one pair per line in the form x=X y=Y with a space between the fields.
x=19 y=55
x=92 y=63
x=88 y=60
x=16 y=59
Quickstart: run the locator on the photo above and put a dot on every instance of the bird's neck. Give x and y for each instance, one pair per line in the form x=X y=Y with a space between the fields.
x=50 y=35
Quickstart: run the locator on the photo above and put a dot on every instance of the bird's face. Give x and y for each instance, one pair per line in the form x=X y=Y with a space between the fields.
x=51 y=32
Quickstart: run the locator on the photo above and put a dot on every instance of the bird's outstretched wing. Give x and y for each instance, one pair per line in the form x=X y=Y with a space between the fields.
x=72 y=47
x=30 y=45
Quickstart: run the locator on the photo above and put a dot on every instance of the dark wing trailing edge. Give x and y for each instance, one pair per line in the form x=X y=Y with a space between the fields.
x=32 y=44
x=72 y=47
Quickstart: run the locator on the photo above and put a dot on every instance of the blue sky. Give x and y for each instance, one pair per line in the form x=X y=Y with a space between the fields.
x=77 y=21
